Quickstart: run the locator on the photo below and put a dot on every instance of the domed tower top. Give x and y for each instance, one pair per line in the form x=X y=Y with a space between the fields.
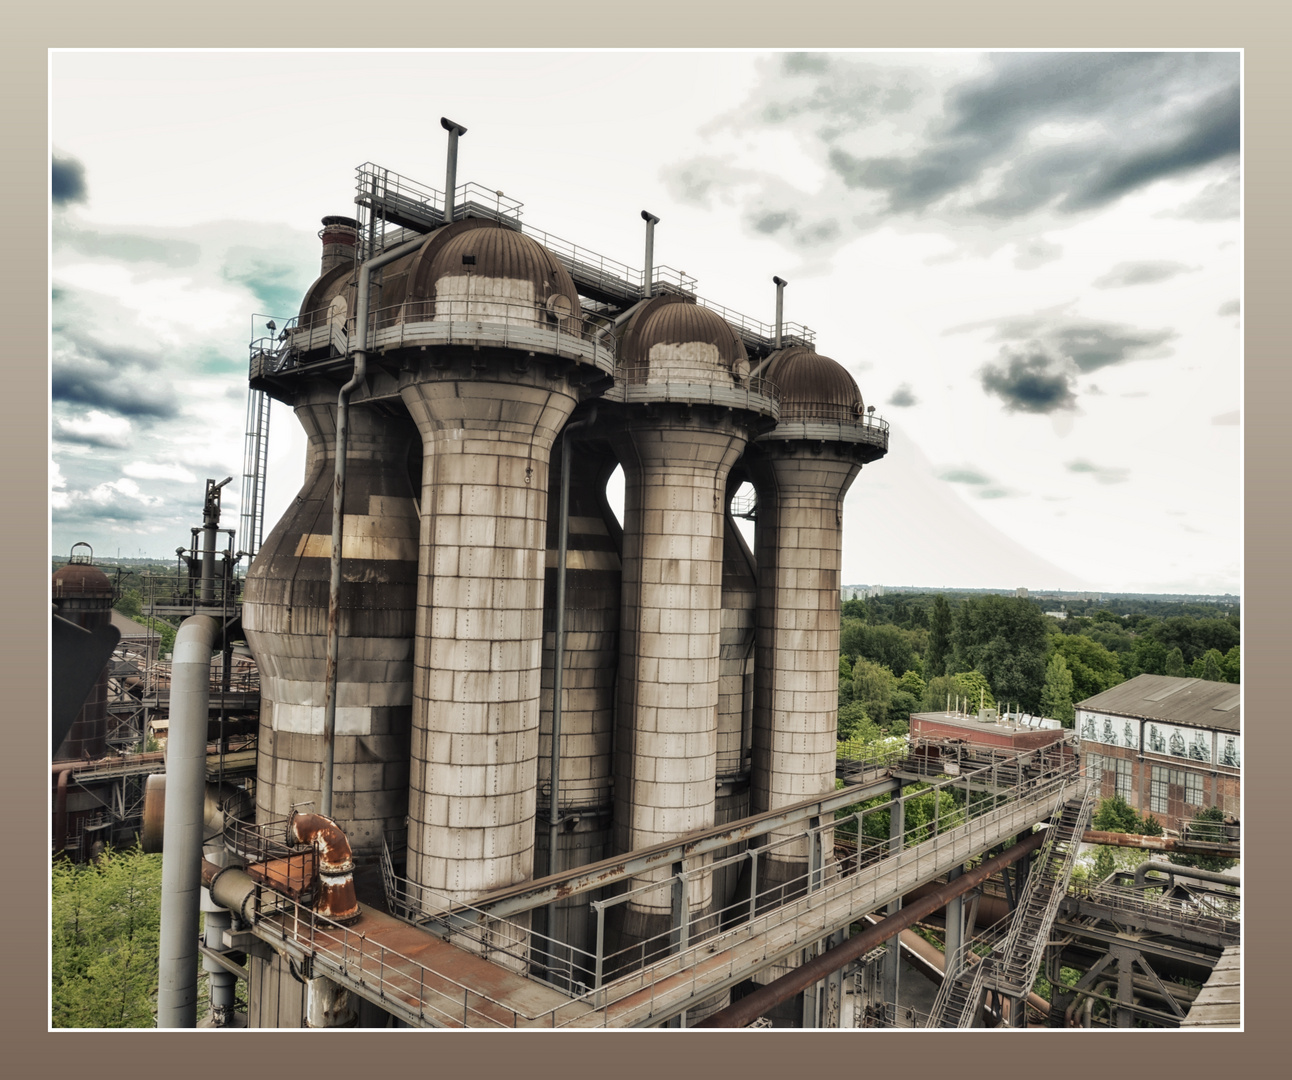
x=481 y=270
x=672 y=338
x=820 y=401
x=80 y=579
x=813 y=387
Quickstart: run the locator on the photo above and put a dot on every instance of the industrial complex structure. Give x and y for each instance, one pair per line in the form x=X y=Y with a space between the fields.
x=519 y=764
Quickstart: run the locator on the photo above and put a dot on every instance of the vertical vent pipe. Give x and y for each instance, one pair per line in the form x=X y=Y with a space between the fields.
x=649 y=273
x=338 y=502
x=780 y=307
x=451 y=169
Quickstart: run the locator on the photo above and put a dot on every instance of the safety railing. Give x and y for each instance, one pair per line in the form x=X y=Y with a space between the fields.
x=694 y=384
x=1204 y=912
x=779 y=917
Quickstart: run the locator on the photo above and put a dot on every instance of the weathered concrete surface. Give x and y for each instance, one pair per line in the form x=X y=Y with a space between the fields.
x=285 y=616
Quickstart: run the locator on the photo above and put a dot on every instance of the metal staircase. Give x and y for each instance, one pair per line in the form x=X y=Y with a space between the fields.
x=1012 y=968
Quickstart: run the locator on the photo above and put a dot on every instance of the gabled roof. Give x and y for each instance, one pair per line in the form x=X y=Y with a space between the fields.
x=1194 y=702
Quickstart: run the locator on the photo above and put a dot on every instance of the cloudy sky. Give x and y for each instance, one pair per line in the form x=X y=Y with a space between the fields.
x=1031 y=262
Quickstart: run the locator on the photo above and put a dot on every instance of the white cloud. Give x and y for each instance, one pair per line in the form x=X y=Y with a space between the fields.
x=151 y=470
x=96 y=428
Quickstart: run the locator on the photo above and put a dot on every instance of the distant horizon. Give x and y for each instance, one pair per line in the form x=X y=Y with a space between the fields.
x=1004 y=589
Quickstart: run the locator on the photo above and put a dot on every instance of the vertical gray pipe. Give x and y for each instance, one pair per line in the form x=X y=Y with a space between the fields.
x=649 y=273
x=185 y=797
x=338 y=503
x=780 y=307
x=451 y=169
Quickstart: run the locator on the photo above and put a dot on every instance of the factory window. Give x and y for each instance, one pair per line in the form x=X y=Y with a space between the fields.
x=1159 y=795
x=1095 y=767
x=1123 y=767
x=1193 y=789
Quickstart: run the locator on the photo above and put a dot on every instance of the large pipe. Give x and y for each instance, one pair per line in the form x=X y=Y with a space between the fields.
x=1161 y=843
x=210 y=527
x=181 y=865
x=451 y=166
x=1172 y=870
x=336 y=898
x=338 y=512
x=649 y=273
x=748 y=1009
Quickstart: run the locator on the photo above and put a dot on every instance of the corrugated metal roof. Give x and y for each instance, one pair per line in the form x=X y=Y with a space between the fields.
x=805 y=377
x=1193 y=702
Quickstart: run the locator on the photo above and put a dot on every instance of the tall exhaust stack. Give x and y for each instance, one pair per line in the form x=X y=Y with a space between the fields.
x=780 y=307
x=451 y=171
x=649 y=273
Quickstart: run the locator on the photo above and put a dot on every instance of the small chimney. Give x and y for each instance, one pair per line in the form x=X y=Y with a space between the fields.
x=339 y=236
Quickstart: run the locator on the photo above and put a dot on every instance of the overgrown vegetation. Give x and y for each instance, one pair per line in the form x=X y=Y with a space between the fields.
x=106 y=919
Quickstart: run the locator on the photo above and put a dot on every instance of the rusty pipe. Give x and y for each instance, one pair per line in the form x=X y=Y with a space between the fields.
x=1160 y=843
x=337 y=898
x=747 y=1009
x=231 y=888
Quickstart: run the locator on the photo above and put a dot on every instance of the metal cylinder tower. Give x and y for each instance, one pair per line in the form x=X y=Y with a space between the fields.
x=83 y=595
x=802 y=471
x=506 y=353
x=285 y=616
x=685 y=414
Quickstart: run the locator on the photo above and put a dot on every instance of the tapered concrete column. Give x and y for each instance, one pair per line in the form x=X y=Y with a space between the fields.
x=486 y=441
x=675 y=474
x=799 y=542
x=285 y=616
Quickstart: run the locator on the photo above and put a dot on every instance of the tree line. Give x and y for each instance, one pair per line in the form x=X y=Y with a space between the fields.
x=914 y=652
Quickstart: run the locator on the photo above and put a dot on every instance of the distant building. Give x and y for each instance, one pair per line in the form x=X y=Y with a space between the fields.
x=1057 y=614
x=852 y=592
x=1169 y=746
x=987 y=728
x=1020 y=591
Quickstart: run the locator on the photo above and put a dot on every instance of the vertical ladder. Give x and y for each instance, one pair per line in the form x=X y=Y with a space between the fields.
x=254 y=471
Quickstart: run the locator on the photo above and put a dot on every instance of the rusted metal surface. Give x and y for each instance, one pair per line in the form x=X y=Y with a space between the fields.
x=1161 y=843
x=756 y=1004
x=336 y=897
x=293 y=877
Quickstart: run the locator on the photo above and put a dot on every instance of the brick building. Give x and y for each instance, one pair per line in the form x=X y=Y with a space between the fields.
x=1169 y=746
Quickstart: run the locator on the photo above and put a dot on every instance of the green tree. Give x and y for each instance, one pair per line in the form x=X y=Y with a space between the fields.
x=106 y=919
x=970 y=687
x=855 y=725
x=1209 y=666
x=1006 y=638
x=1094 y=669
x=1056 y=695
x=873 y=686
x=130 y=603
x=1233 y=666
x=939 y=638
x=1175 y=663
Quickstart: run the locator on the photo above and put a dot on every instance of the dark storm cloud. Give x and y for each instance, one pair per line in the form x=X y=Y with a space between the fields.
x=997 y=493
x=1032 y=380
x=1229 y=307
x=94 y=515
x=774 y=222
x=1136 y=118
x=1104 y=474
x=1042 y=356
x=64 y=434
x=117 y=379
x=67 y=181
x=1147 y=272
x=903 y=397
x=1088 y=344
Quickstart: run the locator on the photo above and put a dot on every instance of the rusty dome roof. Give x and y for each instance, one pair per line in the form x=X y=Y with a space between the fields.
x=487 y=249
x=81 y=579
x=679 y=320
x=810 y=383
